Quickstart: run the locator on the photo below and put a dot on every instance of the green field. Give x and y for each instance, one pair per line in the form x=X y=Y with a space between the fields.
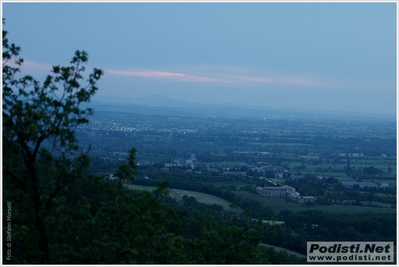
x=178 y=194
x=279 y=204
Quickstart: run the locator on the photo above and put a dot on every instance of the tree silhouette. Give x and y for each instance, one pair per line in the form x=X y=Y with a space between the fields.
x=36 y=114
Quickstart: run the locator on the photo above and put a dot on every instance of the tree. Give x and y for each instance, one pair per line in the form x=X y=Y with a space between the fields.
x=38 y=138
x=231 y=238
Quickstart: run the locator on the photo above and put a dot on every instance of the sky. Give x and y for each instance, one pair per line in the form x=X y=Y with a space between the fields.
x=297 y=55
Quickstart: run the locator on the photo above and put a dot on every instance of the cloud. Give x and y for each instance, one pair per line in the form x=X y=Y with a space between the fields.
x=177 y=76
x=225 y=75
x=229 y=75
x=146 y=73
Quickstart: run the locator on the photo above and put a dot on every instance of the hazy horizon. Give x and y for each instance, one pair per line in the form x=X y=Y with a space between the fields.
x=157 y=104
x=338 y=57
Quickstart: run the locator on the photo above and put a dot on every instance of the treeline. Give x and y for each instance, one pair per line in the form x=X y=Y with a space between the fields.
x=357 y=197
x=312 y=225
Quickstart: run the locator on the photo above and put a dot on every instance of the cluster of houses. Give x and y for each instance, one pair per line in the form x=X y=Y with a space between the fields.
x=284 y=191
x=279 y=171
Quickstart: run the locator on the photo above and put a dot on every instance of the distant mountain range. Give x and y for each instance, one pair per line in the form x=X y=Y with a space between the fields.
x=158 y=101
x=163 y=105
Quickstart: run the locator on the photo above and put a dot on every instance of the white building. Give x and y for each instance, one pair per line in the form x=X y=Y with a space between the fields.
x=275 y=191
x=284 y=191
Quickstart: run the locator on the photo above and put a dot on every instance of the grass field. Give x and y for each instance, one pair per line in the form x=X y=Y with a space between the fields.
x=178 y=194
x=279 y=204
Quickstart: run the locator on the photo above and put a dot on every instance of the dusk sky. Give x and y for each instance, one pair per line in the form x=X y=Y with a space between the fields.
x=322 y=56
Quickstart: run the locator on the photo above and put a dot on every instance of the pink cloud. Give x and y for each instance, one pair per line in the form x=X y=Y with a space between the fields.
x=225 y=78
x=219 y=75
x=147 y=73
x=228 y=78
x=167 y=75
